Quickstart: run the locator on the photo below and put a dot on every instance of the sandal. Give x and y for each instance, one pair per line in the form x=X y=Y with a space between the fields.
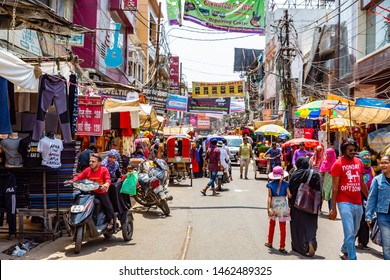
x=203 y=192
x=110 y=225
x=215 y=193
x=283 y=251
x=269 y=245
x=344 y=256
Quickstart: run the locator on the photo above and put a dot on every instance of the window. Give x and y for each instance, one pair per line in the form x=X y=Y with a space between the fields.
x=378 y=28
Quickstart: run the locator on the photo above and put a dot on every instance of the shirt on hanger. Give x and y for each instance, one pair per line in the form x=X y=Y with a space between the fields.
x=51 y=151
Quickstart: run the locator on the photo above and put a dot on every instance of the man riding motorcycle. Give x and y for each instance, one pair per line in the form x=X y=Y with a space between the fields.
x=99 y=174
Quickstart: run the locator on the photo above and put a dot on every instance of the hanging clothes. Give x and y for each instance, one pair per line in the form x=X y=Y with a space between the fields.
x=73 y=103
x=52 y=89
x=5 y=121
x=8 y=200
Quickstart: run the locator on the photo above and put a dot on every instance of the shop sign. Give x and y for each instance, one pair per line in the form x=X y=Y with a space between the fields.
x=115 y=93
x=90 y=118
x=209 y=105
x=25 y=39
x=203 y=122
x=72 y=40
x=218 y=89
x=174 y=72
x=130 y=5
x=176 y=103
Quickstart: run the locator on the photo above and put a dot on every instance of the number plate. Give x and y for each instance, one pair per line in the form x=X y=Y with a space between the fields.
x=220 y=173
x=77 y=208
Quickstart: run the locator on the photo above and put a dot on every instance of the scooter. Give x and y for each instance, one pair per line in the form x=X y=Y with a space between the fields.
x=87 y=218
x=222 y=178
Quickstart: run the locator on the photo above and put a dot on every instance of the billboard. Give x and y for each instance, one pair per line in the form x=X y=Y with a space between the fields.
x=218 y=89
x=174 y=72
x=209 y=105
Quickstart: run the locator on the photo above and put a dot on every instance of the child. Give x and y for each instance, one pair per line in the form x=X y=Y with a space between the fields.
x=278 y=192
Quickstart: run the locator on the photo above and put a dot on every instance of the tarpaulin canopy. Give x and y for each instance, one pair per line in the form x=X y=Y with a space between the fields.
x=372 y=102
x=149 y=119
x=17 y=71
x=368 y=115
x=115 y=105
x=176 y=130
x=257 y=124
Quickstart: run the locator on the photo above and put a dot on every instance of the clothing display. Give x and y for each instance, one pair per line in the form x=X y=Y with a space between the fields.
x=5 y=121
x=52 y=89
x=11 y=98
x=51 y=151
x=11 y=150
x=28 y=148
x=8 y=200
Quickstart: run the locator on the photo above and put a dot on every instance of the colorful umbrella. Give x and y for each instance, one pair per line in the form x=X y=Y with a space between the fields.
x=320 y=108
x=273 y=130
x=380 y=141
x=340 y=124
x=309 y=143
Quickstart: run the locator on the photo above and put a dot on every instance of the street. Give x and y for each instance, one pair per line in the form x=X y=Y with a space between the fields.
x=231 y=226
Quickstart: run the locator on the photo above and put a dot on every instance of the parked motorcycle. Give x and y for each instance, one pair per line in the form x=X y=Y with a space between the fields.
x=222 y=178
x=150 y=188
x=87 y=218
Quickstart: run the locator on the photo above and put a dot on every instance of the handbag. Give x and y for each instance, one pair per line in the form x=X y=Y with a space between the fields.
x=308 y=199
x=129 y=185
x=375 y=235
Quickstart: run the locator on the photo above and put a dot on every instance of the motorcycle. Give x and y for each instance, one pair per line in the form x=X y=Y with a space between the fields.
x=152 y=187
x=87 y=218
x=222 y=178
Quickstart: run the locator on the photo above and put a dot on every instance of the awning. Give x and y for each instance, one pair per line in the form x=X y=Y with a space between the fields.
x=257 y=124
x=149 y=119
x=176 y=130
x=114 y=105
x=17 y=71
x=368 y=115
x=33 y=14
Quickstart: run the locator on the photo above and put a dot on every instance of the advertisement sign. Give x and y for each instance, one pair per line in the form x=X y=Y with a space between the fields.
x=203 y=122
x=218 y=89
x=208 y=105
x=176 y=103
x=174 y=12
x=72 y=40
x=174 y=72
x=90 y=118
x=245 y=16
x=194 y=120
x=237 y=105
x=130 y=5
x=157 y=98
x=26 y=39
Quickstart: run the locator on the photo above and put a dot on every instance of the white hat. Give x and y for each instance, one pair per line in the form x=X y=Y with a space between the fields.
x=220 y=144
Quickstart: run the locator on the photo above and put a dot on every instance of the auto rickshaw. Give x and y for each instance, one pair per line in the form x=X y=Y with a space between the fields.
x=179 y=159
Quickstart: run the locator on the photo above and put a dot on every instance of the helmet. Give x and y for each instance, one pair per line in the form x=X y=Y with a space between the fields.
x=348 y=142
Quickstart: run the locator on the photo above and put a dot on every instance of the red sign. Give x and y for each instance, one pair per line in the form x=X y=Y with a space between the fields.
x=174 y=72
x=130 y=5
x=90 y=118
x=203 y=122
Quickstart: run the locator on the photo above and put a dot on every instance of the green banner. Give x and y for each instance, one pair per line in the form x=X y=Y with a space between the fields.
x=245 y=16
x=174 y=12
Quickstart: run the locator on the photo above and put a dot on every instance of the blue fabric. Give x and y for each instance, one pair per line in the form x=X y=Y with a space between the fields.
x=384 y=227
x=5 y=121
x=372 y=102
x=274 y=187
x=213 y=177
x=273 y=153
x=351 y=215
x=378 y=197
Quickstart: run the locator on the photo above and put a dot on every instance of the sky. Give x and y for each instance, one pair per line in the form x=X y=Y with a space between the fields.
x=204 y=60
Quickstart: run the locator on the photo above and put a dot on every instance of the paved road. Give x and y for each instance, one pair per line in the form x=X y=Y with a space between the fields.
x=232 y=226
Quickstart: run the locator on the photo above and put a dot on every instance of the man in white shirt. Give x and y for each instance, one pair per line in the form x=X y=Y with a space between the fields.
x=224 y=158
x=225 y=146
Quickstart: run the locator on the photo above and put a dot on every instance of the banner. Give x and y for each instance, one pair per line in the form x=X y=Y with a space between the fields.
x=90 y=118
x=203 y=122
x=130 y=5
x=176 y=103
x=245 y=16
x=237 y=105
x=208 y=105
x=218 y=89
x=174 y=12
x=194 y=120
x=174 y=72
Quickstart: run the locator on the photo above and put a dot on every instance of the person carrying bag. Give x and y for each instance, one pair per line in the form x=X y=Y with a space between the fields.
x=308 y=199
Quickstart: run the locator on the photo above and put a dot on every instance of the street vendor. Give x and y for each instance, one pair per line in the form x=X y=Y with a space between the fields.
x=275 y=155
x=301 y=152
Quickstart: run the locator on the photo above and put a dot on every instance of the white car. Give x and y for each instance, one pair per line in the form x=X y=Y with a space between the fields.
x=233 y=143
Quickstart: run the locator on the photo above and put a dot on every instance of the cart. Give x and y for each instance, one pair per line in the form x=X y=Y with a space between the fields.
x=261 y=165
x=179 y=159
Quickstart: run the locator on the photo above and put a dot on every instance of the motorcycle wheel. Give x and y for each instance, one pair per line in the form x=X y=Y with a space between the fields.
x=107 y=235
x=128 y=227
x=78 y=239
x=163 y=205
x=139 y=197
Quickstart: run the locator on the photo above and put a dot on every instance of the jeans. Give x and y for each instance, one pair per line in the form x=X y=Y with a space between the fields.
x=213 y=177
x=384 y=226
x=351 y=215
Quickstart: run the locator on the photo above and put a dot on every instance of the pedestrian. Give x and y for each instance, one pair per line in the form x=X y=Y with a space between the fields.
x=212 y=162
x=303 y=226
x=379 y=202
x=277 y=205
x=363 y=235
x=347 y=184
x=225 y=146
x=326 y=177
x=245 y=155
x=301 y=152
x=275 y=155
x=317 y=158
x=195 y=159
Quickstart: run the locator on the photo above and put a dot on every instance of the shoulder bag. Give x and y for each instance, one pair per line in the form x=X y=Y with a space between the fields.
x=308 y=199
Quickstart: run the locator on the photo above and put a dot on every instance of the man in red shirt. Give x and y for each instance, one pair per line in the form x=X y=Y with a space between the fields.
x=347 y=184
x=212 y=162
x=99 y=174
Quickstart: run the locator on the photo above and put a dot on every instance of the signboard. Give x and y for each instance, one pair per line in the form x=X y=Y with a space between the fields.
x=157 y=99
x=174 y=12
x=237 y=105
x=218 y=89
x=203 y=122
x=208 y=105
x=194 y=120
x=174 y=72
x=72 y=40
x=130 y=5
x=90 y=118
x=176 y=103
x=26 y=39
x=245 y=16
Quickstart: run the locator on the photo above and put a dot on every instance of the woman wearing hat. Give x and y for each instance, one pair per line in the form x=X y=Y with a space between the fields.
x=303 y=225
x=278 y=191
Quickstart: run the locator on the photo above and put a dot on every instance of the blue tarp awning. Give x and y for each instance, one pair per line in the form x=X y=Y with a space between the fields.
x=372 y=102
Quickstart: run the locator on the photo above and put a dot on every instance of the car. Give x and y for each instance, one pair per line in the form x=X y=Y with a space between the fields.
x=233 y=143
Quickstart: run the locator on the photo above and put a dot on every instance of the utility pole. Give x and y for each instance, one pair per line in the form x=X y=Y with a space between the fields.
x=286 y=55
x=157 y=47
